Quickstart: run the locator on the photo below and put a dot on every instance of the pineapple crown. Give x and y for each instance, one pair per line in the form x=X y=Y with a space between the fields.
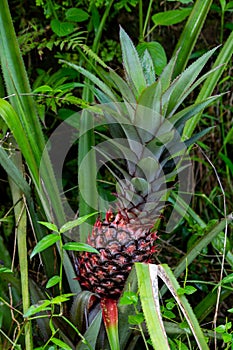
x=145 y=175
x=146 y=149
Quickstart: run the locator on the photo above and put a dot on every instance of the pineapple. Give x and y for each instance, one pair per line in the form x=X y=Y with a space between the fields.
x=146 y=132
x=120 y=243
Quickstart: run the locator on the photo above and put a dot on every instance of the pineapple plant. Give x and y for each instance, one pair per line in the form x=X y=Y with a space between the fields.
x=146 y=118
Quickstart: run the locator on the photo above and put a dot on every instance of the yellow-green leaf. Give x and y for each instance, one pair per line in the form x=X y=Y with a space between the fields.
x=53 y=281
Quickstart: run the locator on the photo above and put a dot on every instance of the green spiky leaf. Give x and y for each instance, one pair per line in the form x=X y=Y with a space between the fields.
x=150 y=166
x=140 y=185
x=150 y=305
x=177 y=91
x=93 y=78
x=148 y=68
x=132 y=64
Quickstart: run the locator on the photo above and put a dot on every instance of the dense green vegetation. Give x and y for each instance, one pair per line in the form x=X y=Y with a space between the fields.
x=63 y=62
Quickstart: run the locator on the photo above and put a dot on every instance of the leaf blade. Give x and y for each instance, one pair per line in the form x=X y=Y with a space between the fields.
x=74 y=223
x=132 y=63
x=45 y=243
x=79 y=247
x=150 y=305
x=171 y=17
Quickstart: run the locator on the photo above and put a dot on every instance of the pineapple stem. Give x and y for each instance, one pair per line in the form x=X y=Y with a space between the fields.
x=110 y=318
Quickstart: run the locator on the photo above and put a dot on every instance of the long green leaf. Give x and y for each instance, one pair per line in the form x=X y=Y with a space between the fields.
x=24 y=122
x=87 y=177
x=12 y=171
x=190 y=34
x=225 y=55
x=148 y=289
x=37 y=294
x=12 y=119
x=21 y=233
x=122 y=86
x=151 y=98
x=174 y=329
x=208 y=304
x=190 y=111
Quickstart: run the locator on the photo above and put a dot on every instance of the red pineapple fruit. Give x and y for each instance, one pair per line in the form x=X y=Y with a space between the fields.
x=120 y=243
